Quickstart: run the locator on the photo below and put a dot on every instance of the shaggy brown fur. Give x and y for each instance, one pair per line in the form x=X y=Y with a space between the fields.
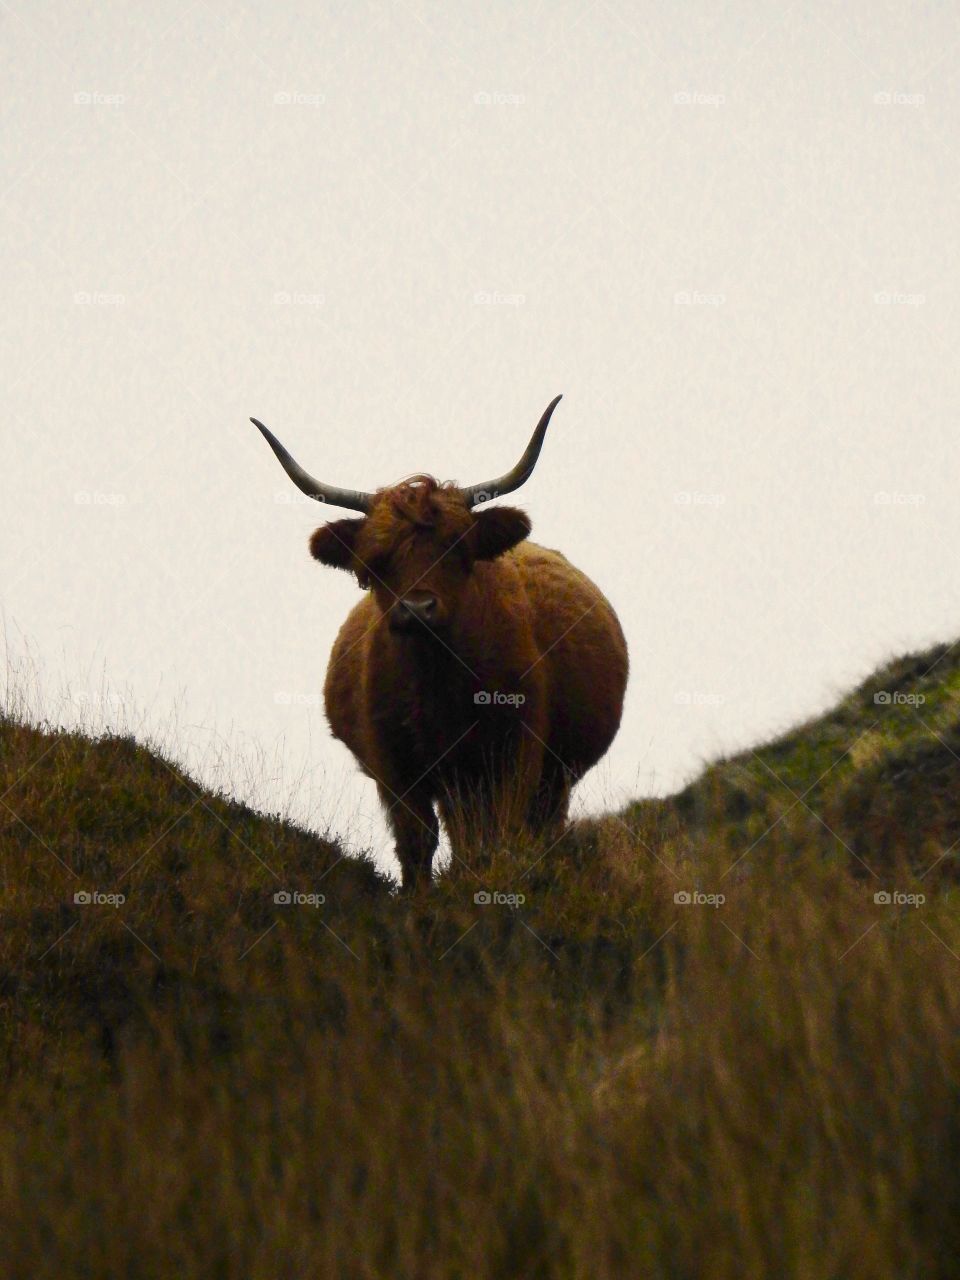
x=513 y=622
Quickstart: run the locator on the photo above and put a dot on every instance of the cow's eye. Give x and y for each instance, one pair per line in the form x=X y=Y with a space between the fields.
x=372 y=569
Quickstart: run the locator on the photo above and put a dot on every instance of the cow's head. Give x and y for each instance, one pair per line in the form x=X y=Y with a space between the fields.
x=416 y=542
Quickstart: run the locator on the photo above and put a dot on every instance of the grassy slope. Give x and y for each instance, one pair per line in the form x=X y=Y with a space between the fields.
x=601 y=1083
x=870 y=780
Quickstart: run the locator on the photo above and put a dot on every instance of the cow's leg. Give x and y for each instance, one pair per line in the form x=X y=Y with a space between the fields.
x=494 y=804
x=461 y=806
x=415 y=831
x=547 y=813
x=518 y=778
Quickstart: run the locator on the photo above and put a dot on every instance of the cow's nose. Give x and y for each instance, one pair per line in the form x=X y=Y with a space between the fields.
x=414 y=611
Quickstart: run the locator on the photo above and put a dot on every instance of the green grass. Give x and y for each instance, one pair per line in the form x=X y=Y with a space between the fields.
x=600 y=1082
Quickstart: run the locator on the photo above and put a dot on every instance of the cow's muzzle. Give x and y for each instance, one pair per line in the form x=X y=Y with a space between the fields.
x=415 y=613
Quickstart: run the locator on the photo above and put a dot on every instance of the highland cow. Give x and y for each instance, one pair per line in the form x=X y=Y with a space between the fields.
x=480 y=674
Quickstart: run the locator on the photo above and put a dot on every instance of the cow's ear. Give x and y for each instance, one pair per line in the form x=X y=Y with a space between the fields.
x=334 y=543
x=497 y=530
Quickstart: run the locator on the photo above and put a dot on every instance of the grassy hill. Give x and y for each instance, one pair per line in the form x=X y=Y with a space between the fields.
x=690 y=1040
x=871 y=781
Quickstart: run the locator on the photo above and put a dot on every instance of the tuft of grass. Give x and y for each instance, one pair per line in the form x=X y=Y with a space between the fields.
x=686 y=1040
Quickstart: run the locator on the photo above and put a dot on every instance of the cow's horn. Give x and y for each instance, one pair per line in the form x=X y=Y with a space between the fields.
x=477 y=493
x=350 y=499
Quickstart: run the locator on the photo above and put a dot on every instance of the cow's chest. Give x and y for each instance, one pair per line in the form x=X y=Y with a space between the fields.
x=443 y=717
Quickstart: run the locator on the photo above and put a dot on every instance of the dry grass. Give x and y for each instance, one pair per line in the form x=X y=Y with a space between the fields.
x=599 y=1082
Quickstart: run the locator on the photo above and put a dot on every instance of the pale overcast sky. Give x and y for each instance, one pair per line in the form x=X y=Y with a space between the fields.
x=727 y=233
